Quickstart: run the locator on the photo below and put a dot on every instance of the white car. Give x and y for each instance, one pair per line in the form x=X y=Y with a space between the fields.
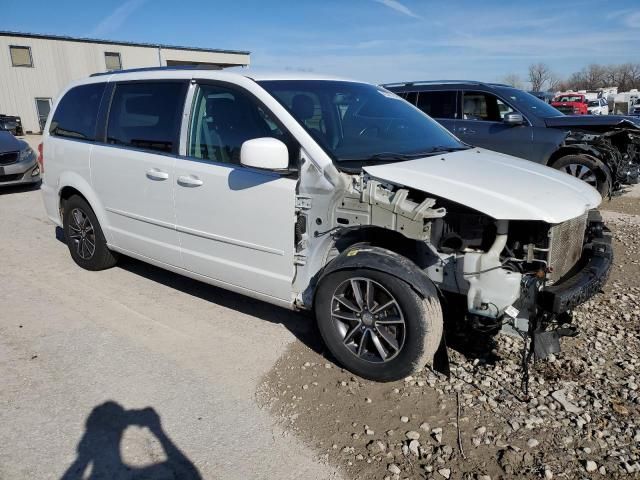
x=322 y=194
x=598 y=106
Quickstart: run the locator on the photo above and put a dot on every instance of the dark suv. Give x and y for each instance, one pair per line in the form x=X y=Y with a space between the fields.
x=604 y=151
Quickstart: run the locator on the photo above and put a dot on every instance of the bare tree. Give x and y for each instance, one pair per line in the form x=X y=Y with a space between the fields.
x=513 y=80
x=539 y=76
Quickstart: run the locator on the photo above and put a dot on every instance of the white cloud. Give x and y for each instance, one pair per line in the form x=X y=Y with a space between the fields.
x=113 y=22
x=398 y=7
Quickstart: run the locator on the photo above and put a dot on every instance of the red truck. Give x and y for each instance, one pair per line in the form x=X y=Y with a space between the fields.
x=571 y=103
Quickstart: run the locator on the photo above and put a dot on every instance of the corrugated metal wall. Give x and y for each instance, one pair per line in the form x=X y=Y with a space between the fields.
x=58 y=62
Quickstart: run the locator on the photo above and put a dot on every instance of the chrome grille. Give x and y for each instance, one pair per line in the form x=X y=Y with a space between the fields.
x=565 y=246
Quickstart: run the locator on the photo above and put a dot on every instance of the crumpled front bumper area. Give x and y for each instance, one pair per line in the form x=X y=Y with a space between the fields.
x=596 y=263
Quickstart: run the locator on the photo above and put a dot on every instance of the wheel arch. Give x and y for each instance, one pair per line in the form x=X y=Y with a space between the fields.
x=364 y=255
x=604 y=173
x=73 y=184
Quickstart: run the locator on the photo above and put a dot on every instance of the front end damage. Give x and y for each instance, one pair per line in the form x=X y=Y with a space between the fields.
x=618 y=148
x=521 y=277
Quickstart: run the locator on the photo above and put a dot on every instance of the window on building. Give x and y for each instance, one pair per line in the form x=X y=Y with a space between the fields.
x=21 y=56
x=438 y=104
x=147 y=115
x=112 y=61
x=77 y=113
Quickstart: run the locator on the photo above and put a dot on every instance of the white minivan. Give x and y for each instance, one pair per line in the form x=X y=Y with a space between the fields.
x=322 y=194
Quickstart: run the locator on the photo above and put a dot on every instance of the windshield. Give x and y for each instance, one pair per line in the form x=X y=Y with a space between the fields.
x=528 y=103
x=361 y=123
x=594 y=103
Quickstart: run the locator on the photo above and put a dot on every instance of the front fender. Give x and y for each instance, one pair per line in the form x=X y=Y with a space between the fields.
x=363 y=255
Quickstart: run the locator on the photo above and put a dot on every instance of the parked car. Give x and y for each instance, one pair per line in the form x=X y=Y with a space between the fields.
x=571 y=103
x=635 y=111
x=11 y=123
x=598 y=107
x=602 y=151
x=321 y=194
x=18 y=162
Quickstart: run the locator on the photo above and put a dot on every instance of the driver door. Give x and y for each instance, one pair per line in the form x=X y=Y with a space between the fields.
x=235 y=224
x=482 y=125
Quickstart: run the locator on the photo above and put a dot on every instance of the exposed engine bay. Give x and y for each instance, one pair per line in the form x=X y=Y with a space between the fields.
x=501 y=267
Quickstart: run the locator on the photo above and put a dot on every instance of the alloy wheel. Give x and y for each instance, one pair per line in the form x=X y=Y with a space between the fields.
x=82 y=234
x=582 y=172
x=368 y=319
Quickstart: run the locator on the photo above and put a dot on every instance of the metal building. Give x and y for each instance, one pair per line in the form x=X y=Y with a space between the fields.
x=35 y=68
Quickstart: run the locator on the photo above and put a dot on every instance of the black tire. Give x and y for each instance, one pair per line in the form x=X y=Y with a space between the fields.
x=589 y=165
x=422 y=326
x=79 y=218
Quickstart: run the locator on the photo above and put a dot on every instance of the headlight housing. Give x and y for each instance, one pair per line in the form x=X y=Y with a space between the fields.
x=27 y=154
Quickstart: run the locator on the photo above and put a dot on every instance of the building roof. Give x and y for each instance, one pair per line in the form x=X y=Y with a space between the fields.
x=115 y=42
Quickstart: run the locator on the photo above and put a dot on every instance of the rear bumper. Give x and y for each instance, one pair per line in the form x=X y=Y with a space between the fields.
x=597 y=260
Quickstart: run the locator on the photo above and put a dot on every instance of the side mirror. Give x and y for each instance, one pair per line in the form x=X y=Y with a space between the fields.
x=267 y=153
x=513 y=119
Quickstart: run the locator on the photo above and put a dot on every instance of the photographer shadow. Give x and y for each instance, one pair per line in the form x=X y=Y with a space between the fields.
x=99 y=449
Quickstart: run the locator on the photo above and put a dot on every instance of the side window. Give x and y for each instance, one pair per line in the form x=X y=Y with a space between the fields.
x=77 y=112
x=484 y=106
x=146 y=115
x=438 y=104
x=410 y=97
x=222 y=119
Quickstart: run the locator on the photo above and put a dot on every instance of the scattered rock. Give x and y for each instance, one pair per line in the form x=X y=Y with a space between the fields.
x=413 y=435
x=445 y=472
x=590 y=466
x=393 y=468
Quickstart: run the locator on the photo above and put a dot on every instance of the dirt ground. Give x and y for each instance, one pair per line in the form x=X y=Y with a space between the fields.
x=578 y=421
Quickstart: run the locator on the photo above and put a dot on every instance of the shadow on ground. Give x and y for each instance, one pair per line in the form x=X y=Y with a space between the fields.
x=12 y=189
x=99 y=449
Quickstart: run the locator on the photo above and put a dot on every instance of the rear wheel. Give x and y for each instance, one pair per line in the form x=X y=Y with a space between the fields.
x=587 y=169
x=84 y=237
x=376 y=325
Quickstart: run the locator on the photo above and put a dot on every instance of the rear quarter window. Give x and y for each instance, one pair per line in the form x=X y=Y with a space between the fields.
x=77 y=112
x=438 y=104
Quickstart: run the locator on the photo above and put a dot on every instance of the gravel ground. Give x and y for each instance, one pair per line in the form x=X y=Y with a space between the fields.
x=580 y=420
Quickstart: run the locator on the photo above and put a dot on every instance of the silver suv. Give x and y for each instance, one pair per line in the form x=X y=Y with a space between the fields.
x=321 y=194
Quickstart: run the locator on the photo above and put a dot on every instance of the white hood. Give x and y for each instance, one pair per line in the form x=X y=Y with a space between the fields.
x=501 y=186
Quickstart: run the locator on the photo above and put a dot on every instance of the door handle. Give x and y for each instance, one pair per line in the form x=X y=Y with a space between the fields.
x=189 y=181
x=467 y=131
x=155 y=174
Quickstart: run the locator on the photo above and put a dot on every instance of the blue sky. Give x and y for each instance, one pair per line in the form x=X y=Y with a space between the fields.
x=373 y=40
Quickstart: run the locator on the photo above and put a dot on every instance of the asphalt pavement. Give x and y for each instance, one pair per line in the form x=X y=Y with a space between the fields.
x=132 y=371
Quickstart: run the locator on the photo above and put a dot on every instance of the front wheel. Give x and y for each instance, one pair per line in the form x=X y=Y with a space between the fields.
x=376 y=325
x=587 y=169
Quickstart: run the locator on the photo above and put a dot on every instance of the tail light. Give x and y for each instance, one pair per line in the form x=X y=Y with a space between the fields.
x=40 y=158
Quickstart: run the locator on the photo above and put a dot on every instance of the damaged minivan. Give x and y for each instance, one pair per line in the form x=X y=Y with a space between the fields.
x=326 y=195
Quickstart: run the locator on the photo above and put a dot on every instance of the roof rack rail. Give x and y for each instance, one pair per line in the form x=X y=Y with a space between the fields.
x=436 y=82
x=157 y=69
